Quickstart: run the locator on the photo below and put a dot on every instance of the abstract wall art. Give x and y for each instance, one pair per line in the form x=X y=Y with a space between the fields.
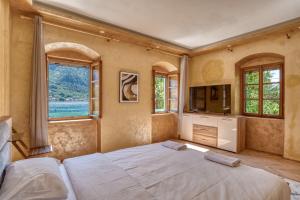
x=129 y=85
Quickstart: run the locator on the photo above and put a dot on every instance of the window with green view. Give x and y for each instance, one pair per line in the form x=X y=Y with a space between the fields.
x=160 y=93
x=262 y=90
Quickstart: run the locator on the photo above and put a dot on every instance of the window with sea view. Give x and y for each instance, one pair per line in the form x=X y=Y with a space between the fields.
x=68 y=90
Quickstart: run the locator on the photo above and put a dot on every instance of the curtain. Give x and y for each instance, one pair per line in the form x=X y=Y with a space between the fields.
x=39 y=113
x=182 y=90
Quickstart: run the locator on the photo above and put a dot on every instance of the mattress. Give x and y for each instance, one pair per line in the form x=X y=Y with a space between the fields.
x=71 y=194
x=155 y=172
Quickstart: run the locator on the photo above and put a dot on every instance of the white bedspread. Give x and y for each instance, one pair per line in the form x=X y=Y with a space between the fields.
x=156 y=172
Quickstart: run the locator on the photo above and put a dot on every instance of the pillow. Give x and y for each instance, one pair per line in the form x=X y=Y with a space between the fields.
x=5 y=158
x=5 y=147
x=5 y=133
x=36 y=178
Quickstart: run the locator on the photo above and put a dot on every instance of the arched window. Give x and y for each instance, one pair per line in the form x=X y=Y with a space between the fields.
x=73 y=74
x=165 y=88
x=262 y=85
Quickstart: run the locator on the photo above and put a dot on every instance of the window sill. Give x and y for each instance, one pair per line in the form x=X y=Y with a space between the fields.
x=69 y=120
x=263 y=117
x=163 y=113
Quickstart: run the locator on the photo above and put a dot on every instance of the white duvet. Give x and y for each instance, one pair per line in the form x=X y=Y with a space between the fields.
x=156 y=172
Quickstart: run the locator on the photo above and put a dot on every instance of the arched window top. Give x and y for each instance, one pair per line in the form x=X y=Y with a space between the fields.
x=259 y=59
x=165 y=67
x=70 y=46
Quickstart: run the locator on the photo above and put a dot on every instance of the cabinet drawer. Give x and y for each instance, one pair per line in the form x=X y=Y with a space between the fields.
x=205 y=130
x=205 y=120
x=201 y=139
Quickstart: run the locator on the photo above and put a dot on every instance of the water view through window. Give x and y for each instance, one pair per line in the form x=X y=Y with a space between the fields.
x=68 y=90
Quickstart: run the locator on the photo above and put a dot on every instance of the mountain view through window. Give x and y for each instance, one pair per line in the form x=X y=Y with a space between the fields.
x=68 y=90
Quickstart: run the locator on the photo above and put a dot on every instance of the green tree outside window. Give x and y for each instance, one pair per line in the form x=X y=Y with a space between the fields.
x=160 y=93
x=270 y=87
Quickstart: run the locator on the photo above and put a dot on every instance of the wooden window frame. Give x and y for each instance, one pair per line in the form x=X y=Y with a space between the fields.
x=169 y=91
x=261 y=69
x=167 y=76
x=79 y=63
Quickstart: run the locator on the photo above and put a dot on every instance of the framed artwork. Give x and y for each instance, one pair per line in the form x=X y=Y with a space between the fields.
x=129 y=87
x=214 y=93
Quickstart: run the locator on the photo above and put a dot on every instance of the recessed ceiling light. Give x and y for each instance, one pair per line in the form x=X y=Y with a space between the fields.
x=102 y=32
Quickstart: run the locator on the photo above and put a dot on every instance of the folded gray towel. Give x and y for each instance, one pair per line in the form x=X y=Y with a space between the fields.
x=174 y=145
x=222 y=159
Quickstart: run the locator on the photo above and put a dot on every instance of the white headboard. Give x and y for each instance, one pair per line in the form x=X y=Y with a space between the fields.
x=5 y=146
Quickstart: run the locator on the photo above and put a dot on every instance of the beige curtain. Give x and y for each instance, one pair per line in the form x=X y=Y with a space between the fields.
x=38 y=115
x=182 y=89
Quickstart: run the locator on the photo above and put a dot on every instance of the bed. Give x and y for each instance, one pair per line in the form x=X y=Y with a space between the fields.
x=156 y=172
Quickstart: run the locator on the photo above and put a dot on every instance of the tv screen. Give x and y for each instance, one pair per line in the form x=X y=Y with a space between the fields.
x=211 y=99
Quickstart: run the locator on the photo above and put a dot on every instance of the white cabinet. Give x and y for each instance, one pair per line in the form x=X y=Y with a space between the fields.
x=205 y=120
x=227 y=129
x=187 y=127
x=227 y=134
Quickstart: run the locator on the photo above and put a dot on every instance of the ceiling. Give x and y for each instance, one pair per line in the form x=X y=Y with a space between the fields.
x=187 y=23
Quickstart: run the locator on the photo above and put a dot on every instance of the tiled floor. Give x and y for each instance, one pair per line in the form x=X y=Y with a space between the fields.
x=275 y=164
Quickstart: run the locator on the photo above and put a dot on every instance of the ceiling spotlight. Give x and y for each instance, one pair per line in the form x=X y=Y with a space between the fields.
x=102 y=32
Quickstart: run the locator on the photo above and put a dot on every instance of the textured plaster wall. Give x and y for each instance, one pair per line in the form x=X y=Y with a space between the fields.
x=21 y=48
x=219 y=67
x=164 y=127
x=72 y=139
x=122 y=125
x=5 y=20
x=265 y=135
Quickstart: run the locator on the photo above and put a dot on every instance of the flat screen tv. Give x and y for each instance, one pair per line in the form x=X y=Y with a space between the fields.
x=211 y=99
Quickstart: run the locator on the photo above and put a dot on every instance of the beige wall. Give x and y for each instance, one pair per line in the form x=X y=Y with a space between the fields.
x=70 y=139
x=20 y=67
x=219 y=67
x=122 y=125
x=164 y=127
x=4 y=56
x=265 y=135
